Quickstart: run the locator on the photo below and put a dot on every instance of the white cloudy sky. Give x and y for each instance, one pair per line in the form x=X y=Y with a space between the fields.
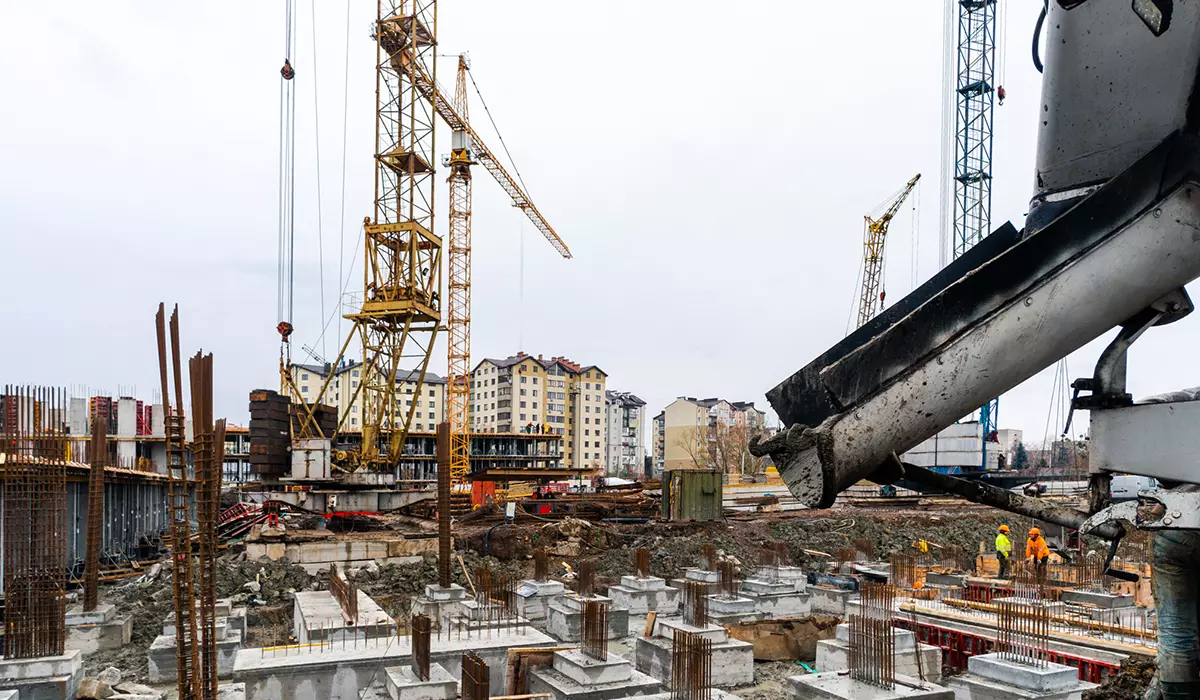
x=708 y=163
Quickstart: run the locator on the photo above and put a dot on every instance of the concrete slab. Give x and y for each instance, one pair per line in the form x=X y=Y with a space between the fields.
x=403 y=684
x=8 y=695
x=714 y=694
x=666 y=630
x=563 y=687
x=779 y=605
x=732 y=661
x=970 y=687
x=792 y=575
x=1056 y=608
x=936 y=579
x=644 y=583
x=585 y=670
x=452 y=592
x=1048 y=677
x=43 y=678
x=168 y=627
x=703 y=575
x=534 y=598
x=1099 y=599
x=317 y=617
x=312 y=673
x=836 y=686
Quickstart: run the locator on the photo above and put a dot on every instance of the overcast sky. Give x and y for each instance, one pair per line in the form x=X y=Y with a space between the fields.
x=708 y=163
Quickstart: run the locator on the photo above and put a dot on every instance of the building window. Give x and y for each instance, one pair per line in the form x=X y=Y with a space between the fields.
x=535 y=404
x=522 y=405
x=522 y=416
x=522 y=379
x=304 y=376
x=587 y=420
x=353 y=421
x=354 y=373
x=588 y=375
x=353 y=385
x=304 y=390
x=522 y=392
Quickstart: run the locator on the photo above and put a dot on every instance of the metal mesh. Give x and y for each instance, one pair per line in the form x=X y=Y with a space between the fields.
x=33 y=439
x=595 y=629
x=872 y=645
x=906 y=570
x=691 y=666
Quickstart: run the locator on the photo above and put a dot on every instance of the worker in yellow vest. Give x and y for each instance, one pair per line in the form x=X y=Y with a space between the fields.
x=1003 y=551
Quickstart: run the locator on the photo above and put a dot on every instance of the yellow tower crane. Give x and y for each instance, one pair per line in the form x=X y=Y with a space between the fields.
x=874 y=237
x=466 y=149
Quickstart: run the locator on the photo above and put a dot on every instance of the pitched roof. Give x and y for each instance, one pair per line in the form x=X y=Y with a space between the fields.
x=624 y=398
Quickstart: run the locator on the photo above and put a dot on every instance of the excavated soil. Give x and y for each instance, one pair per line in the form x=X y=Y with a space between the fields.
x=1129 y=683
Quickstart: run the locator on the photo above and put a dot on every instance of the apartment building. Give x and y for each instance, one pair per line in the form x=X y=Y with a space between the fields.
x=523 y=393
x=624 y=444
x=430 y=402
x=658 y=443
x=683 y=430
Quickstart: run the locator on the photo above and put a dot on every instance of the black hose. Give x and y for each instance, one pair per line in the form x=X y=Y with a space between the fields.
x=1037 y=37
x=487 y=536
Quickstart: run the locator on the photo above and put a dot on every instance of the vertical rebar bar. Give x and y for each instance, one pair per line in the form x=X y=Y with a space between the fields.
x=641 y=562
x=691 y=666
x=541 y=565
x=708 y=557
x=97 y=460
x=595 y=629
x=585 y=581
x=872 y=653
x=695 y=603
x=476 y=682
x=420 y=646
x=1023 y=631
x=729 y=579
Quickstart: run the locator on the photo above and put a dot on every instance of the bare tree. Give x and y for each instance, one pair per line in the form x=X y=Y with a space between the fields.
x=722 y=448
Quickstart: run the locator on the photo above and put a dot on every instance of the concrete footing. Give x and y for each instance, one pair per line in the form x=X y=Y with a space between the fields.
x=728 y=610
x=43 y=678
x=576 y=676
x=98 y=630
x=642 y=595
x=775 y=599
x=315 y=673
x=792 y=575
x=1098 y=599
x=403 y=684
x=838 y=686
x=830 y=601
x=163 y=663
x=732 y=659
x=564 y=619
x=834 y=655
x=991 y=677
x=534 y=598
x=439 y=602
x=317 y=617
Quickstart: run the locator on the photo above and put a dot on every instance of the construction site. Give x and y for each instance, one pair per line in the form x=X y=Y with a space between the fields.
x=348 y=542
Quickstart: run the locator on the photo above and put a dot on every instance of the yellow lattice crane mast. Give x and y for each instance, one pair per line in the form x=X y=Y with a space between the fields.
x=400 y=310
x=874 y=237
x=458 y=326
x=466 y=149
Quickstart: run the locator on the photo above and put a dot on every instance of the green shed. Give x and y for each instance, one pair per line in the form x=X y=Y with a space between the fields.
x=692 y=494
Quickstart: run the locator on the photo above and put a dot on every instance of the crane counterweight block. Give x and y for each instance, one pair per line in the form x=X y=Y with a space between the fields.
x=1006 y=309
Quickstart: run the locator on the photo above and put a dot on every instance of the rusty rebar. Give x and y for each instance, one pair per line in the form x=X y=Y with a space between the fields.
x=595 y=629
x=708 y=557
x=97 y=461
x=695 y=603
x=443 y=503
x=421 y=629
x=208 y=453
x=345 y=593
x=872 y=652
x=729 y=579
x=953 y=557
x=585 y=579
x=541 y=565
x=641 y=562
x=34 y=440
x=187 y=653
x=476 y=682
x=845 y=555
x=691 y=666
x=768 y=557
x=1023 y=631
x=906 y=570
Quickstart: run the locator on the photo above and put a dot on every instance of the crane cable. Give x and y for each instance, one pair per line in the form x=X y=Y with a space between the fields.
x=317 y=156
x=504 y=145
x=287 y=179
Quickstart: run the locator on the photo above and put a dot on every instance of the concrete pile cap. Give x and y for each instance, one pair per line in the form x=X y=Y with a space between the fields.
x=1046 y=679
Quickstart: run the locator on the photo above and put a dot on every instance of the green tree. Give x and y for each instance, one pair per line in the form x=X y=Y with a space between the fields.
x=1020 y=457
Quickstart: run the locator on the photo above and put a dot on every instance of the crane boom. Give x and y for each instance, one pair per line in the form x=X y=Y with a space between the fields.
x=874 y=236
x=484 y=156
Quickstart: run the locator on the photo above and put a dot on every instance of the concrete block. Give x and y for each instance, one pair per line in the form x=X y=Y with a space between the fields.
x=104 y=612
x=703 y=575
x=1055 y=608
x=666 y=630
x=780 y=605
x=317 y=617
x=835 y=686
x=162 y=662
x=759 y=586
x=725 y=605
x=732 y=661
x=831 y=601
x=43 y=678
x=639 y=601
x=107 y=636
x=1044 y=678
x=437 y=593
x=1099 y=599
x=936 y=579
x=565 y=622
x=403 y=684
x=529 y=587
x=585 y=670
x=223 y=607
x=648 y=583
x=833 y=655
x=564 y=687
x=792 y=575
x=9 y=695
x=168 y=628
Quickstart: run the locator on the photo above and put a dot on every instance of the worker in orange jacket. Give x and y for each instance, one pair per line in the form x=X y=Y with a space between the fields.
x=1037 y=551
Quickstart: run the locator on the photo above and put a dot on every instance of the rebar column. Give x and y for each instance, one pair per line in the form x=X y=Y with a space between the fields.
x=443 y=503
x=695 y=603
x=476 y=682
x=585 y=581
x=691 y=666
x=98 y=460
x=541 y=565
x=208 y=453
x=872 y=652
x=420 y=646
x=641 y=562
x=595 y=629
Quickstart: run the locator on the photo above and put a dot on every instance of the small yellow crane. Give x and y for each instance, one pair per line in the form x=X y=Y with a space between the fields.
x=874 y=236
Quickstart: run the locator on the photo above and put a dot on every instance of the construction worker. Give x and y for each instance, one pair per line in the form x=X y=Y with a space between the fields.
x=1037 y=551
x=1003 y=551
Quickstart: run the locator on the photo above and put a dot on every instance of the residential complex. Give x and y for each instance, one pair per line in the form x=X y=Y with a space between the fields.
x=624 y=446
x=523 y=393
x=430 y=406
x=685 y=430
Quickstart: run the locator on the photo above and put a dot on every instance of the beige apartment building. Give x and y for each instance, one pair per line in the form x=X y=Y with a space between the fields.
x=682 y=431
x=430 y=402
x=524 y=393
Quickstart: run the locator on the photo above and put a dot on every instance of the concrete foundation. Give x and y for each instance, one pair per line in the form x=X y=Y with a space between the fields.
x=830 y=601
x=9 y=695
x=1056 y=608
x=642 y=595
x=725 y=610
x=565 y=618
x=163 y=664
x=534 y=597
x=935 y=579
x=702 y=575
x=317 y=555
x=309 y=673
x=403 y=684
x=43 y=678
x=834 y=655
x=776 y=599
x=732 y=659
x=792 y=575
x=990 y=677
x=1098 y=599
x=575 y=676
x=836 y=686
x=98 y=630
x=317 y=617
x=440 y=602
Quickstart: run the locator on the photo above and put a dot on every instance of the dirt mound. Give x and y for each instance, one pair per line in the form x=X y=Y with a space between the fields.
x=1128 y=683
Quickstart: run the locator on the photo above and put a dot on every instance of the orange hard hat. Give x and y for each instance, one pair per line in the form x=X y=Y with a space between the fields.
x=1033 y=531
x=1003 y=528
